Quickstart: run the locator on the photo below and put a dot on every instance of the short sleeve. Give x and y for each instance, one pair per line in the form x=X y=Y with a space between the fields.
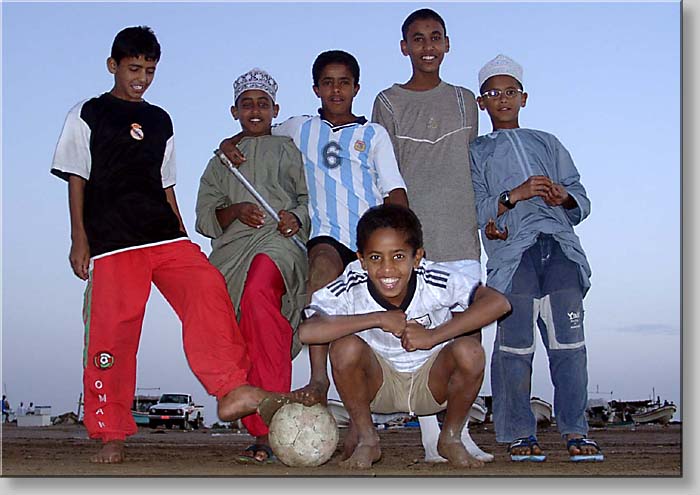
x=383 y=114
x=72 y=154
x=461 y=289
x=472 y=113
x=168 y=169
x=325 y=302
x=388 y=175
x=290 y=127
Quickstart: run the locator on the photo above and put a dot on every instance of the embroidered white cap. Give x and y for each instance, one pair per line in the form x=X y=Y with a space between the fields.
x=255 y=79
x=501 y=66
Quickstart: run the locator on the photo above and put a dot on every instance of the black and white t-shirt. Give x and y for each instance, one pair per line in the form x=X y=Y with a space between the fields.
x=125 y=151
x=434 y=292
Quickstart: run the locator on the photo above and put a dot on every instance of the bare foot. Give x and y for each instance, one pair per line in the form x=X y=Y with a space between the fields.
x=240 y=402
x=312 y=393
x=112 y=452
x=351 y=440
x=362 y=457
x=456 y=454
x=270 y=404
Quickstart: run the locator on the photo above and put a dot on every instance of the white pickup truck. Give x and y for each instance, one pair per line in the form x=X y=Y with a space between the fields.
x=176 y=409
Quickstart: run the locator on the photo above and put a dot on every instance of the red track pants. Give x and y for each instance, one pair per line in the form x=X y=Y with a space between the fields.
x=114 y=306
x=267 y=333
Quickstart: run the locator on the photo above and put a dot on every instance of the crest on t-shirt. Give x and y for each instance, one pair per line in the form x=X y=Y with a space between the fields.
x=360 y=146
x=423 y=320
x=136 y=132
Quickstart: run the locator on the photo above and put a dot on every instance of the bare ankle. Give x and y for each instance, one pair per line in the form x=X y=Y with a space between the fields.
x=239 y=402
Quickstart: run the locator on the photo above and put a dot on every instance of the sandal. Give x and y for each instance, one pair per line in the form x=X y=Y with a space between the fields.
x=528 y=442
x=584 y=442
x=254 y=449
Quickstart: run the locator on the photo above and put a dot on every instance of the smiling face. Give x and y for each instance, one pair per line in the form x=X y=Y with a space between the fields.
x=389 y=261
x=426 y=45
x=336 y=89
x=132 y=76
x=502 y=109
x=255 y=109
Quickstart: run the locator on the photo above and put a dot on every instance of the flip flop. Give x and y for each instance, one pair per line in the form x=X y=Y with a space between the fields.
x=528 y=442
x=584 y=442
x=254 y=449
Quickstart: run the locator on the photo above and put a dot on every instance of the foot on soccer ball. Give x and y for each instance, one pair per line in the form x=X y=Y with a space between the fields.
x=271 y=404
x=312 y=393
x=362 y=457
x=457 y=455
x=112 y=452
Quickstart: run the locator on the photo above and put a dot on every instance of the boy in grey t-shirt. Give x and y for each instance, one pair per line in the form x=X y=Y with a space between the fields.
x=431 y=124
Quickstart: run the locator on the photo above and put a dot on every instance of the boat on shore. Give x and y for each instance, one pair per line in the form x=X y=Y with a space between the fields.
x=642 y=412
x=140 y=407
x=598 y=412
x=655 y=412
x=542 y=411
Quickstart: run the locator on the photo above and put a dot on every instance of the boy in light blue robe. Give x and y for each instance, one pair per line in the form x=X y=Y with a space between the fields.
x=528 y=198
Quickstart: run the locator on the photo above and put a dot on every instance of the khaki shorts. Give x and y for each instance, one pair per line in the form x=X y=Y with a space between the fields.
x=405 y=392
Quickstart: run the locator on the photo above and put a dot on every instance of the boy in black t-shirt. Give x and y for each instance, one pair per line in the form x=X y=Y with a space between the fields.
x=116 y=152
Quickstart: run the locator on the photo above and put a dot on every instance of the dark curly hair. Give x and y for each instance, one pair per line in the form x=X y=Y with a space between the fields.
x=134 y=42
x=335 y=57
x=390 y=216
x=421 y=14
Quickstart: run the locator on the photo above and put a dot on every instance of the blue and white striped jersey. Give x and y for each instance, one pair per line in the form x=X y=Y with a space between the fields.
x=435 y=291
x=349 y=169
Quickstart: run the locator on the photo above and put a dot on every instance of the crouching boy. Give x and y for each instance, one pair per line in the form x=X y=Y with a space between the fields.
x=397 y=327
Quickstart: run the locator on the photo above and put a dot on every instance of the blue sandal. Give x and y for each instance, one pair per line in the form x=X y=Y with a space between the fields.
x=584 y=442
x=528 y=442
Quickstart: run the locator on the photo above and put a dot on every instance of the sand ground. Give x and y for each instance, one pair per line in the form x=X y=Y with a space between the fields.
x=641 y=451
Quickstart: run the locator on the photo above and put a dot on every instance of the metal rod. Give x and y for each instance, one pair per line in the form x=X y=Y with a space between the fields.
x=266 y=206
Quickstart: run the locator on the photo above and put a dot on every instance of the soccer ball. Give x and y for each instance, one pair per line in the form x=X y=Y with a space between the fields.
x=303 y=435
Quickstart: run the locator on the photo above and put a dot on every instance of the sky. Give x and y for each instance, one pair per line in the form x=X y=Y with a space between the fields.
x=605 y=78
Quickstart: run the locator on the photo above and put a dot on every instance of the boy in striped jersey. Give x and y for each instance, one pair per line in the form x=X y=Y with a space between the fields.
x=350 y=167
x=397 y=328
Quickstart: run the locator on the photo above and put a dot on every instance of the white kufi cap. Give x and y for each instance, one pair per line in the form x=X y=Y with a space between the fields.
x=255 y=79
x=501 y=66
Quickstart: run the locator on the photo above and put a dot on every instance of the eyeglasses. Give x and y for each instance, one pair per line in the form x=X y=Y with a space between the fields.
x=496 y=93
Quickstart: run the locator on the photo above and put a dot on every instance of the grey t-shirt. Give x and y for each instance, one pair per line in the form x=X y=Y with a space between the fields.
x=431 y=131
